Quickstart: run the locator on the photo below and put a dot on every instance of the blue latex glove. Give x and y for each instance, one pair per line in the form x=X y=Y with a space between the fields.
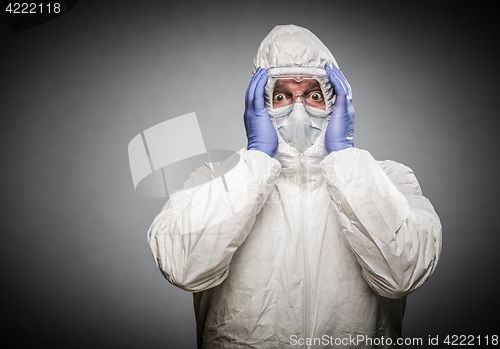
x=261 y=133
x=340 y=129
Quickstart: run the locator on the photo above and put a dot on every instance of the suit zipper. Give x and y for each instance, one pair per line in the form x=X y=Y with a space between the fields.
x=303 y=183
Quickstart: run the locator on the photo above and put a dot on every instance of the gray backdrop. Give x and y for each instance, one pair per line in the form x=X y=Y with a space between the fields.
x=77 y=270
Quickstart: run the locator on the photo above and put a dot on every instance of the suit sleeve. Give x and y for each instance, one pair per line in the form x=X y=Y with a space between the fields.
x=389 y=225
x=199 y=229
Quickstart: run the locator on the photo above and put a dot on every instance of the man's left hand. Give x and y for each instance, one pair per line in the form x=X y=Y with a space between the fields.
x=340 y=130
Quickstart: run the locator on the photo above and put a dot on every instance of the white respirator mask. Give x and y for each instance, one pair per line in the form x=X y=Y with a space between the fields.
x=299 y=129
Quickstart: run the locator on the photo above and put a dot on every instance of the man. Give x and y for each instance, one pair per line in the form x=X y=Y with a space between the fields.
x=306 y=241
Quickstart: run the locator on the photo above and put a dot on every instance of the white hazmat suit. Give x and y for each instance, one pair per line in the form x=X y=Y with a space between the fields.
x=299 y=250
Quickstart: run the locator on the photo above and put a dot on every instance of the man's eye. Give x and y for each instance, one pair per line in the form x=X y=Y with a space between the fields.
x=316 y=96
x=279 y=98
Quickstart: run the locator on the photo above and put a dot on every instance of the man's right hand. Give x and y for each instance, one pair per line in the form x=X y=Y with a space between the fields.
x=261 y=133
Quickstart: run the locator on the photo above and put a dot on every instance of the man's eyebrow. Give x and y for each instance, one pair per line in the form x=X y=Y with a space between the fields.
x=279 y=83
x=312 y=86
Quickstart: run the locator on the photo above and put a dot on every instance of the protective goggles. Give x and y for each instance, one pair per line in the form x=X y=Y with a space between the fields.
x=289 y=85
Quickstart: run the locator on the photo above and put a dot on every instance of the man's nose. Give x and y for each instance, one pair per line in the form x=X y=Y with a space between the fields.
x=298 y=97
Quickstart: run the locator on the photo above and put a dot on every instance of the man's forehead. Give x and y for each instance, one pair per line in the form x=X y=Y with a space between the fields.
x=289 y=84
